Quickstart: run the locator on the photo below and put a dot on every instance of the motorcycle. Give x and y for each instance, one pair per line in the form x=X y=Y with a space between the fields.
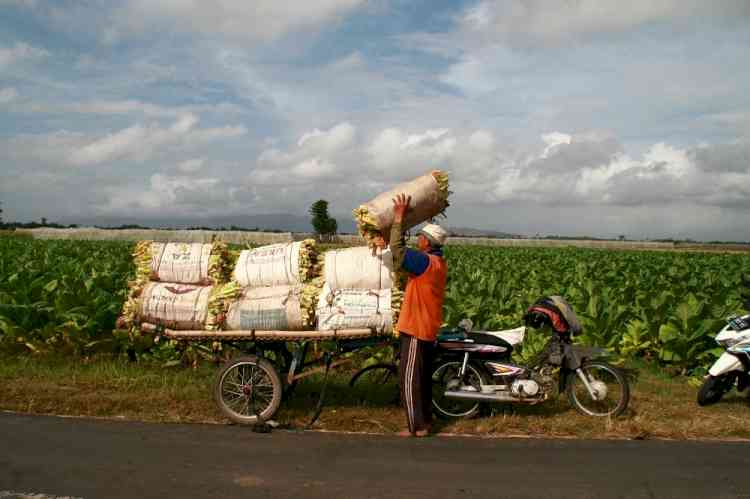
x=474 y=367
x=732 y=367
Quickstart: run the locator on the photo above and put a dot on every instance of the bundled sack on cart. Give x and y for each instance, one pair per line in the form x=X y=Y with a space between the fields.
x=272 y=308
x=195 y=264
x=358 y=268
x=185 y=263
x=182 y=306
x=354 y=309
x=357 y=290
x=278 y=288
x=429 y=198
x=285 y=264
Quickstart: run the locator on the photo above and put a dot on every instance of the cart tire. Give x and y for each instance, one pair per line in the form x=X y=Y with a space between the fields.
x=247 y=387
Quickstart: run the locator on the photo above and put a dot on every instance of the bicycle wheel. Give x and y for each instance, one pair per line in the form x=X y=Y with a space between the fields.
x=248 y=387
x=376 y=384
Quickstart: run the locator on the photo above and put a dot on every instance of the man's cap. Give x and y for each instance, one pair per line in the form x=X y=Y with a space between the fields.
x=436 y=234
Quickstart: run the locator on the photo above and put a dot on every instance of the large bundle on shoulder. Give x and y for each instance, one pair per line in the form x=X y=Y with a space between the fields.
x=357 y=290
x=429 y=198
x=178 y=285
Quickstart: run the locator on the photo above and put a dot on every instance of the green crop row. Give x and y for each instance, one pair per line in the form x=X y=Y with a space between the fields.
x=66 y=295
x=62 y=295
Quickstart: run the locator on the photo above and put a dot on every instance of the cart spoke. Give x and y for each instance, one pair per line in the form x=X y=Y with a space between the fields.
x=232 y=392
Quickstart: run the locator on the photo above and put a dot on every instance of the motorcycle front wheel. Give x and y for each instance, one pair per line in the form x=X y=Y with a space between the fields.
x=713 y=388
x=612 y=392
x=445 y=377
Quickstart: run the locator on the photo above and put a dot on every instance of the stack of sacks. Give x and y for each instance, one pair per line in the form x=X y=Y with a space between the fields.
x=429 y=198
x=277 y=288
x=357 y=290
x=178 y=285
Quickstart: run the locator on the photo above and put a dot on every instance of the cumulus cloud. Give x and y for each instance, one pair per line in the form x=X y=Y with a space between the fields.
x=139 y=141
x=19 y=52
x=167 y=195
x=259 y=20
x=8 y=94
x=549 y=20
x=22 y=3
x=315 y=155
x=396 y=152
x=123 y=107
x=191 y=165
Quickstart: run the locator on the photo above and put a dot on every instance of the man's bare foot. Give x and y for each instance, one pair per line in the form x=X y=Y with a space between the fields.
x=422 y=433
x=405 y=433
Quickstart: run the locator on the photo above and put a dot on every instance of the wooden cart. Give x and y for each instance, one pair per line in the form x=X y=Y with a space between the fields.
x=249 y=389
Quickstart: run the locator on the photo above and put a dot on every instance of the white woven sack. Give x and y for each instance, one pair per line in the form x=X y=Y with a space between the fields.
x=354 y=309
x=184 y=263
x=266 y=309
x=272 y=265
x=174 y=305
x=358 y=268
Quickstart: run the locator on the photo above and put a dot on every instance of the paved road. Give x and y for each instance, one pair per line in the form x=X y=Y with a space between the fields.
x=85 y=458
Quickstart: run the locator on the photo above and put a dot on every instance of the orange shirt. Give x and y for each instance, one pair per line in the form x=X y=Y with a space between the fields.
x=422 y=311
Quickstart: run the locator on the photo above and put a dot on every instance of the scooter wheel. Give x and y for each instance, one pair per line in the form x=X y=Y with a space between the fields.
x=713 y=388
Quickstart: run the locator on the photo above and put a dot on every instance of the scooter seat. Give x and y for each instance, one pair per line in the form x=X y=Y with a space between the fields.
x=511 y=336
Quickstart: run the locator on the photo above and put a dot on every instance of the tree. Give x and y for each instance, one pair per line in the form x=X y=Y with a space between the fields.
x=325 y=227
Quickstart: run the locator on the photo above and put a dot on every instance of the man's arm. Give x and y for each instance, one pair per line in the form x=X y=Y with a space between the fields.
x=397 y=244
x=414 y=262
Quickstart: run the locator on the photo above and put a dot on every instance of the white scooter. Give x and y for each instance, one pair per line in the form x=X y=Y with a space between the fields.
x=733 y=366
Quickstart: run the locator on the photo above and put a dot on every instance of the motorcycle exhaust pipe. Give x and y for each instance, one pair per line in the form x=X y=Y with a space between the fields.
x=485 y=397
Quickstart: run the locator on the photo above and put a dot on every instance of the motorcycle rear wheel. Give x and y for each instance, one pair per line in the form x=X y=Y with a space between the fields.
x=616 y=393
x=447 y=372
x=713 y=388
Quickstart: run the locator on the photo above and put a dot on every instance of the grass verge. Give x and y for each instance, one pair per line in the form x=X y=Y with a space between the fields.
x=660 y=407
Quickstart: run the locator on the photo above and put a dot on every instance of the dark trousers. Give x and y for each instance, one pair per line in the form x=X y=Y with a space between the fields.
x=415 y=380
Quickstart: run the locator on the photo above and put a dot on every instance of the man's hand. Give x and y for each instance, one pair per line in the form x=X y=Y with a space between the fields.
x=400 y=207
x=379 y=242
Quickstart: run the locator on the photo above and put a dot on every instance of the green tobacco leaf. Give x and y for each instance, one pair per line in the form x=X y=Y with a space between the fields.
x=668 y=332
x=51 y=286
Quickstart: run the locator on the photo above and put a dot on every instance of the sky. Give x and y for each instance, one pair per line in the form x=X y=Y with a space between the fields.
x=570 y=117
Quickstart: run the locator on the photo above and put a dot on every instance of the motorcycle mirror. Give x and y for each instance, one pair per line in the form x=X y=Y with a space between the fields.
x=466 y=325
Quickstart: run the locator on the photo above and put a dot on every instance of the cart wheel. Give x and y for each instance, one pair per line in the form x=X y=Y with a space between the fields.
x=248 y=387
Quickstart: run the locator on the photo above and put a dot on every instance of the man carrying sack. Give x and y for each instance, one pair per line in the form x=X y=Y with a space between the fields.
x=421 y=315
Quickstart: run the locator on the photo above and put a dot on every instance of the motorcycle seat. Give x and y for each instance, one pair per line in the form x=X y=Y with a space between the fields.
x=488 y=339
x=511 y=336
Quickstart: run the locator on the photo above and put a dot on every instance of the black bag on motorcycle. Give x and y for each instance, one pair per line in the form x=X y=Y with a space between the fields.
x=555 y=311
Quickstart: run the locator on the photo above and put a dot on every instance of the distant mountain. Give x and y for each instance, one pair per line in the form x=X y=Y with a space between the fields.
x=284 y=222
x=471 y=232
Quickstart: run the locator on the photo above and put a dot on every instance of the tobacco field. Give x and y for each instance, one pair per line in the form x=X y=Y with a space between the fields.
x=64 y=296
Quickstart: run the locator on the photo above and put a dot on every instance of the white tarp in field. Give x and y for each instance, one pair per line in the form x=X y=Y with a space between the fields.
x=272 y=265
x=358 y=268
x=185 y=263
x=267 y=308
x=354 y=308
x=175 y=306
